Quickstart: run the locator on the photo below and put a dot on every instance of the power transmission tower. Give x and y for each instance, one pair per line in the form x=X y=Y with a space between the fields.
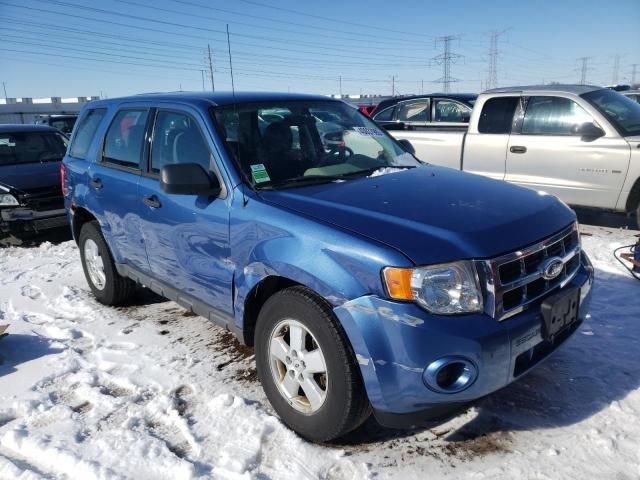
x=492 y=81
x=213 y=88
x=584 y=69
x=393 y=85
x=446 y=58
x=616 y=69
x=4 y=87
x=634 y=68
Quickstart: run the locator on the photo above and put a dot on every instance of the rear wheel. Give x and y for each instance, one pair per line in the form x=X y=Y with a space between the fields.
x=306 y=367
x=107 y=285
x=638 y=217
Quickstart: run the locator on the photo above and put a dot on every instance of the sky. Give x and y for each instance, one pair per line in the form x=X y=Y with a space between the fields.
x=112 y=48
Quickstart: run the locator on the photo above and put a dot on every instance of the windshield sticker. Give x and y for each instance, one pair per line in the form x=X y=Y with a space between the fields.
x=259 y=173
x=368 y=132
x=7 y=142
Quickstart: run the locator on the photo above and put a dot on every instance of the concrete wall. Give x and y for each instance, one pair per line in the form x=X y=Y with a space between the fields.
x=27 y=110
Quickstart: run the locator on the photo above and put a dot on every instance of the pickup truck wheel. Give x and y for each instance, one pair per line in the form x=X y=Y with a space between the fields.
x=106 y=284
x=306 y=367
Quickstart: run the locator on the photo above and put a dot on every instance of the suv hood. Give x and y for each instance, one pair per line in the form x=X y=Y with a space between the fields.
x=432 y=214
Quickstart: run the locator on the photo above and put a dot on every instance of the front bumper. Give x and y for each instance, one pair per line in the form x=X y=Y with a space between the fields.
x=19 y=220
x=394 y=343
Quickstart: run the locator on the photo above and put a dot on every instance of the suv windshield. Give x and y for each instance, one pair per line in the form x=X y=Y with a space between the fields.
x=621 y=111
x=31 y=147
x=279 y=144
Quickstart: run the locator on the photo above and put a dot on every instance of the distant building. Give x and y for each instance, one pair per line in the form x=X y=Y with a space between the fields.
x=28 y=110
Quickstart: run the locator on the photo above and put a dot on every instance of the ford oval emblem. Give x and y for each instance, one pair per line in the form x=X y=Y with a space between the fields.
x=552 y=268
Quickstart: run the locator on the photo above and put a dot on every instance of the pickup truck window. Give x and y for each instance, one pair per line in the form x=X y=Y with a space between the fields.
x=125 y=138
x=277 y=145
x=85 y=132
x=450 y=111
x=549 y=115
x=177 y=139
x=497 y=115
x=621 y=111
x=414 y=111
x=31 y=147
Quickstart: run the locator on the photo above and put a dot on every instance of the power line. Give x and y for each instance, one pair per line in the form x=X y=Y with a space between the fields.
x=446 y=58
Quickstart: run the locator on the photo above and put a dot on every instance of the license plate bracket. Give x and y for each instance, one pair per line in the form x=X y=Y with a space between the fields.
x=559 y=311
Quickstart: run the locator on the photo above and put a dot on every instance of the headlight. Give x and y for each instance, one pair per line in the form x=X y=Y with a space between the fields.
x=444 y=289
x=7 y=200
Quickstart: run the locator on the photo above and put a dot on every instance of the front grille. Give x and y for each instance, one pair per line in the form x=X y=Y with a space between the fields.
x=517 y=280
x=43 y=199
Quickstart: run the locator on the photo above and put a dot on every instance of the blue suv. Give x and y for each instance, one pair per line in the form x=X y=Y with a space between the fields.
x=366 y=280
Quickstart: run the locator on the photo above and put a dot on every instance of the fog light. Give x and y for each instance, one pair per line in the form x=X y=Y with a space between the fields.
x=450 y=375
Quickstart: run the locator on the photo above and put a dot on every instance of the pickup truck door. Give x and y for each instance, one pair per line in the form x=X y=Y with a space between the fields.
x=485 y=144
x=186 y=236
x=548 y=153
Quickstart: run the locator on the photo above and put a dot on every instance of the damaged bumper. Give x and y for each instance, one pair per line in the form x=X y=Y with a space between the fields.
x=19 y=220
x=401 y=349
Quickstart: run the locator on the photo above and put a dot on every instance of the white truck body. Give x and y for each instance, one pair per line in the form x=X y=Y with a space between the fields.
x=598 y=169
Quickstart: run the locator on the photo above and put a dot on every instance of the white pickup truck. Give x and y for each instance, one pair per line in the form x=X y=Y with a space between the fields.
x=577 y=142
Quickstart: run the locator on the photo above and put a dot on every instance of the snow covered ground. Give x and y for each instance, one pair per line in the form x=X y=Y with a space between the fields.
x=150 y=392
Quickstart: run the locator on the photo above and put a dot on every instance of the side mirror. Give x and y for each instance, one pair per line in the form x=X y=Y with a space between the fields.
x=188 y=179
x=406 y=145
x=589 y=131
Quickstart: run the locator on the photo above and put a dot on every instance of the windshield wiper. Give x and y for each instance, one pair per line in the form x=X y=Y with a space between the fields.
x=369 y=171
x=296 y=181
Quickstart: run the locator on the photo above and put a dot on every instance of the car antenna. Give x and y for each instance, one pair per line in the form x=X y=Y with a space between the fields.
x=245 y=199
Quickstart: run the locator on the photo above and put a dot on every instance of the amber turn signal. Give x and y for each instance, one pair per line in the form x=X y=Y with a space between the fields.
x=398 y=282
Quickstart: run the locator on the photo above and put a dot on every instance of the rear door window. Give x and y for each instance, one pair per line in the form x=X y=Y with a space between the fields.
x=553 y=116
x=497 y=115
x=178 y=139
x=85 y=132
x=450 y=111
x=125 y=139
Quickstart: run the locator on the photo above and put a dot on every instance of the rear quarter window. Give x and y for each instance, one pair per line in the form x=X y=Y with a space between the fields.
x=497 y=115
x=85 y=132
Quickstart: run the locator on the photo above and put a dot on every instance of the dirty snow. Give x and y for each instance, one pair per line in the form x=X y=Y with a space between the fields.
x=151 y=392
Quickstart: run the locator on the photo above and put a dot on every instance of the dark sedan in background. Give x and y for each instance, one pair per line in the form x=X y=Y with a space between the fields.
x=438 y=110
x=30 y=191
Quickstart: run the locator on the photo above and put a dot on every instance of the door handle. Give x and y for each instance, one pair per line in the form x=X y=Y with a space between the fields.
x=517 y=149
x=96 y=183
x=152 y=201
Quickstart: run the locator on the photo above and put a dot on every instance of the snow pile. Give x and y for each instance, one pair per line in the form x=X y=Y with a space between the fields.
x=150 y=392
x=90 y=392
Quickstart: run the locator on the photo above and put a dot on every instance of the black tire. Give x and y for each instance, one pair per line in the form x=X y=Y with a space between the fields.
x=346 y=405
x=117 y=289
x=638 y=217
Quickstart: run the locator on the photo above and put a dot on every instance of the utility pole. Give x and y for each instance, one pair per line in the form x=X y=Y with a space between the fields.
x=446 y=58
x=202 y=74
x=213 y=88
x=4 y=87
x=422 y=87
x=393 y=85
x=616 y=69
x=634 y=68
x=492 y=81
x=340 y=81
x=583 y=69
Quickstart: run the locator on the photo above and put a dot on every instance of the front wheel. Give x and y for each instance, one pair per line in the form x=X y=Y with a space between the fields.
x=306 y=367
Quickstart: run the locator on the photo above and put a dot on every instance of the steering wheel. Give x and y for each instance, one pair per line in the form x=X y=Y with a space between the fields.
x=336 y=155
